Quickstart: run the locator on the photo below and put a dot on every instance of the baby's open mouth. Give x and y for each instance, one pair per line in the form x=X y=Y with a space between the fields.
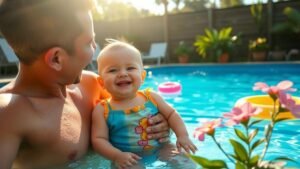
x=123 y=83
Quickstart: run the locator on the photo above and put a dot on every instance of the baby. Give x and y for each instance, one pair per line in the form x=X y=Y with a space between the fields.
x=119 y=123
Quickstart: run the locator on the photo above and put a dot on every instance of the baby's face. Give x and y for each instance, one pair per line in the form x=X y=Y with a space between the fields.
x=121 y=70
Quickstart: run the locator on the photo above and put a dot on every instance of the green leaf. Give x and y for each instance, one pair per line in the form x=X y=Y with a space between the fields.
x=241 y=135
x=199 y=160
x=254 y=160
x=254 y=122
x=268 y=130
x=234 y=156
x=217 y=164
x=239 y=150
x=257 y=143
x=282 y=158
x=206 y=163
x=252 y=135
x=239 y=165
x=245 y=123
x=282 y=110
x=281 y=119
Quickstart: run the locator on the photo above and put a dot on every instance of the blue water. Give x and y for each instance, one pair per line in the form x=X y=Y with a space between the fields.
x=210 y=90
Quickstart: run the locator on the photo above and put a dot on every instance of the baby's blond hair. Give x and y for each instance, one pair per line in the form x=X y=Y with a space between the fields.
x=114 y=44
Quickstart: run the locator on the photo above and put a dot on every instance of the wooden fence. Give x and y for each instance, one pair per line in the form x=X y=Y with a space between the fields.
x=186 y=26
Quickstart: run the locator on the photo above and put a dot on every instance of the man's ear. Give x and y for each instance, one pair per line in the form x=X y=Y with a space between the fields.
x=53 y=58
x=144 y=74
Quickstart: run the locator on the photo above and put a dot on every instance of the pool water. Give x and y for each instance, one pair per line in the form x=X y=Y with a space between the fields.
x=210 y=90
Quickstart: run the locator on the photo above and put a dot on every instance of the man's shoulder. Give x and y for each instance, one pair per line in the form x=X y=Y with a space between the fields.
x=89 y=80
x=11 y=101
x=88 y=76
x=91 y=87
x=14 y=109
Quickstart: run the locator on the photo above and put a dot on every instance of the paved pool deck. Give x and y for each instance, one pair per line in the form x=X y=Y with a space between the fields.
x=6 y=79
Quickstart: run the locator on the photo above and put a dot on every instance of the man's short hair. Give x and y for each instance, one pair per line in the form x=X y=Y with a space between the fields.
x=32 y=27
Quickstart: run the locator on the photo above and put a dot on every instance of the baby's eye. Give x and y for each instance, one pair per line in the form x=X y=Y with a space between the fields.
x=131 y=68
x=112 y=70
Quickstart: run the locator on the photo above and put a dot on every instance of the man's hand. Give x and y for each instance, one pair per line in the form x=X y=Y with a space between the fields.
x=159 y=129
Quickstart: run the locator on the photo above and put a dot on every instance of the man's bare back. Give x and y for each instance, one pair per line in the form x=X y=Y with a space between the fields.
x=51 y=130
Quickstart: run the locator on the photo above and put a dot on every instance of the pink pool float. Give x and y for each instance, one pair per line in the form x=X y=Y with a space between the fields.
x=170 y=88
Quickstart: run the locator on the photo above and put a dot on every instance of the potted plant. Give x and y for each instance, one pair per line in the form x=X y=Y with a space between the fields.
x=258 y=14
x=277 y=54
x=183 y=52
x=258 y=48
x=291 y=24
x=216 y=44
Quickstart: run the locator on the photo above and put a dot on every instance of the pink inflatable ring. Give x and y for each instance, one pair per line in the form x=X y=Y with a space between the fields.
x=170 y=88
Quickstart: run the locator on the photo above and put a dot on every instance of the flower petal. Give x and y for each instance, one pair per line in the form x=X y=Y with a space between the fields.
x=296 y=111
x=260 y=86
x=284 y=85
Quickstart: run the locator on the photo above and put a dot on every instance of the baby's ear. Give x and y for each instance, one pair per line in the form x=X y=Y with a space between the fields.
x=100 y=81
x=144 y=74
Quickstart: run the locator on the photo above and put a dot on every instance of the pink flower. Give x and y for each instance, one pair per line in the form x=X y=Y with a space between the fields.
x=240 y=114
x=289 y=103
x=207 y=128
x=282 y=86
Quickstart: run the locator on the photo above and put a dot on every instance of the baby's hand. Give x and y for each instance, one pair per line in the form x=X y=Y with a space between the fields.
x=186 y=144
x=126 y=160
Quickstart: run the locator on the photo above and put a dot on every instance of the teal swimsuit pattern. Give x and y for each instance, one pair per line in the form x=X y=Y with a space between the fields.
x=127 y=128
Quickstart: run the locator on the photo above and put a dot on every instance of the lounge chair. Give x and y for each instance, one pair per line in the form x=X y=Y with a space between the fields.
x=157 y=52
x=7 y=56
x=292 y=55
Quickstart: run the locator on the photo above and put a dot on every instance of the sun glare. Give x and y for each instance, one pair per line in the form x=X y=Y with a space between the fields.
x=146 y=4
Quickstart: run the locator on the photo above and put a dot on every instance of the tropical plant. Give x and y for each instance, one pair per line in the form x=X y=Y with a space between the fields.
x=292 y=24
x=243 y=155
x=230 y=3
x=183 y=52
x=215 y=43
x=117 y=10
x=256 y=11
x=258 y=45
x=183 y=49
x=195 y=5
x=165 y=3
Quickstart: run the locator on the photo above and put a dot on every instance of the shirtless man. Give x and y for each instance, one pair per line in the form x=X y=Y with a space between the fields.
x=45 y=111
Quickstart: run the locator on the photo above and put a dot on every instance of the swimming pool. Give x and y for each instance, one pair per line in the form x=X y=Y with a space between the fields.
x=210 y=90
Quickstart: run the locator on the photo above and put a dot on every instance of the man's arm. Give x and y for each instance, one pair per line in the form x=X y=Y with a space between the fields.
x=93 y=88
x=10 y=139
x=9 y=145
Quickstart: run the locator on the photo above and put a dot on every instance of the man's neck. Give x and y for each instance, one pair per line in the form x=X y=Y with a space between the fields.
x=32 y=82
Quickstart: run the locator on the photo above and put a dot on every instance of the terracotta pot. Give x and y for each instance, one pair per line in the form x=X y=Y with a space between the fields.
x=224 y=58
x=259 y=56
x=277 y=55
x=183 y=59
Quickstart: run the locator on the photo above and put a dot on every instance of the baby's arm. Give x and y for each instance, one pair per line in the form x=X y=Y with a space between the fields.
x=101 y=144
x=176 y=124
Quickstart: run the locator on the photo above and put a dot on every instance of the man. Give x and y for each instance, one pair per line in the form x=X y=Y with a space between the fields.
x=45 y=111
